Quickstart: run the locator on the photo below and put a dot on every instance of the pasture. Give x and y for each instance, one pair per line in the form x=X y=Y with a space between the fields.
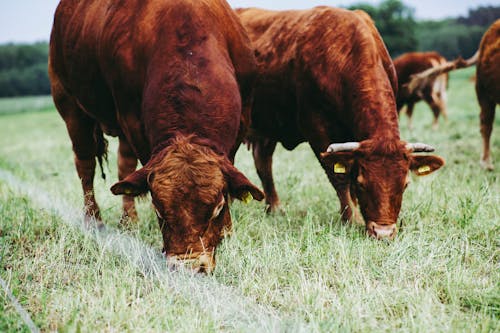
x=300 y=270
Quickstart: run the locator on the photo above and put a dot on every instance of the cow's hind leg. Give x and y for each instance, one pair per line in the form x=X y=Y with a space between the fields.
x=88 y=144
x=436 y=110
x=409 y=113
x=263 y=150
x=486 y=117
x=127 y=163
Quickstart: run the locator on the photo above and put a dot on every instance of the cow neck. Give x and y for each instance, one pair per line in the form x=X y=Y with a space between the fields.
x=191 y=138
x=374 y=110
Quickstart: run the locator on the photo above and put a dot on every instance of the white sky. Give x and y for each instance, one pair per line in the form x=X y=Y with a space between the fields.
x=31 y=20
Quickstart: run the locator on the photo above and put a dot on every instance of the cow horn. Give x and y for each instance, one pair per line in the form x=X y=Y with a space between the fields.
x=419 y=147
x=347 y=146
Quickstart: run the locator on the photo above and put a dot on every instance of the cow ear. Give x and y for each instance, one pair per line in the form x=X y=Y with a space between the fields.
x=134 y=184
x=339 y=162
x=425 y=164
x=239 y=186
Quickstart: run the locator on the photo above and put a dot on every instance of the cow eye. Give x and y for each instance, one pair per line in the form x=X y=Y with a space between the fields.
x=218 y=208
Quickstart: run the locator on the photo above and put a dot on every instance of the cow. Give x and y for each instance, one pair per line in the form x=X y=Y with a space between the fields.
x=488 y=86
x=433 y=93
x=173 y=81
x=325 y=77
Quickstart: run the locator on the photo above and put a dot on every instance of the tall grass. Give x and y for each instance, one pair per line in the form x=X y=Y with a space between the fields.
x=300 y=269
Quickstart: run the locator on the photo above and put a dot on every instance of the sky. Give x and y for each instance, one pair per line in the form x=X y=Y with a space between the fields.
x=31 y=20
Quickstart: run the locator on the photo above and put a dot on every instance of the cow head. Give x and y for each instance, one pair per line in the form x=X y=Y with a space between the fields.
x=190 y=187
x=376 y=173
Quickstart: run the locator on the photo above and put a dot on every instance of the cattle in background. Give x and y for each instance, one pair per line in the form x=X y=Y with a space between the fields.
x=170 y=79
x=433 y=93
x=488 y=86
x=325 y=77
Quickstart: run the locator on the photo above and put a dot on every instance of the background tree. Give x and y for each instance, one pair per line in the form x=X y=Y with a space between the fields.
x=395 y=22
x=23 y=70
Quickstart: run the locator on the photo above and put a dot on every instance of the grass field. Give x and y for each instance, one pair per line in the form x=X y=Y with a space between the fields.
x=300 y=270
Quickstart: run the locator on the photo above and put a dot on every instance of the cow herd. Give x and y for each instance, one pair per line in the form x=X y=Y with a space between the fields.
x=182 y=83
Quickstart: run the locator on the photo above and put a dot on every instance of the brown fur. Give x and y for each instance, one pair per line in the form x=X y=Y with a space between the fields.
x=172 y=79
x=434 y=91
x=488 y=86
x=325 y=76
x=186 y=165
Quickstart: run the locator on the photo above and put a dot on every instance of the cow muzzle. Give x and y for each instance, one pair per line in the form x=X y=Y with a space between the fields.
x=201 y=262
x=380 y=231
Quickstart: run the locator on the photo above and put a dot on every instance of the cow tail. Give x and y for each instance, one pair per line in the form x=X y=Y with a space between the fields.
x=102 y=149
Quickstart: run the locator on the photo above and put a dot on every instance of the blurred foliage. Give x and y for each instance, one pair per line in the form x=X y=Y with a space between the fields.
x=451 y=37
x=481 y=16
x=395 y=22
x=23 y=69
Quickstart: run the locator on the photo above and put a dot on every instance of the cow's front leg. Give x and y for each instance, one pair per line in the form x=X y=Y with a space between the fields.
x=263 y=150
x=127 y=163
x=349 y=211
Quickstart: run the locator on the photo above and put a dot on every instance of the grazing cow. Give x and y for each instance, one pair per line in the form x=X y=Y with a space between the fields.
x=325 y=77
x=170 y=79
x=433 y=93
x=488 y=86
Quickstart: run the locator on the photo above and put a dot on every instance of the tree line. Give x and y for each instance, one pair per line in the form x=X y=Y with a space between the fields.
x=23 y=68
x=451 y=37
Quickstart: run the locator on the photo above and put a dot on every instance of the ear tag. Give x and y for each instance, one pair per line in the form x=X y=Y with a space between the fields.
x=338 y=168
x=424 y=169
x=128 y=191
x=247 y=197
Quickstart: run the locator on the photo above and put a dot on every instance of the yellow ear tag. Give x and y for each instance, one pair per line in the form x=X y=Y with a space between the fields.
x=424 y=169
x=247 y=197
x=338 y=168
x=128 y=191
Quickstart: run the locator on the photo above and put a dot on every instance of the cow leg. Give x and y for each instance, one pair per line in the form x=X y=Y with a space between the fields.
x=436 y=110
x=348 y=204
x=81 y=129
x=127 y=163
x=486 y=117
x=409 y=113
x=263 y=150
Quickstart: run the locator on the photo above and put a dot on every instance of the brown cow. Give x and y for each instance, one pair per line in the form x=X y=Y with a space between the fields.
x=433 y=93
x=326 y=77
x=488 y=86
x=169 y=78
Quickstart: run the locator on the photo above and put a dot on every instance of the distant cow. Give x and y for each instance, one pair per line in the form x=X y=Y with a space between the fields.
x=169 y=78
x=325 y=77
x=488 y=86
x=433 y=93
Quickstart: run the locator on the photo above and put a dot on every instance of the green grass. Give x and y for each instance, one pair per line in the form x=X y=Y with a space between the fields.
x=298 y=270
x=25 y=104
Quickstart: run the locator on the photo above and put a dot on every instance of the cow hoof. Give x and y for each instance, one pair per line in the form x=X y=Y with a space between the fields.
x=273 y=208
x=129 y=218
x=487 y=165
x=91 y=222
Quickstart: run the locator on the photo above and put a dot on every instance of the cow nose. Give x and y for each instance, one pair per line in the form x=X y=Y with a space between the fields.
x=380 y=231
x=199 y=263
